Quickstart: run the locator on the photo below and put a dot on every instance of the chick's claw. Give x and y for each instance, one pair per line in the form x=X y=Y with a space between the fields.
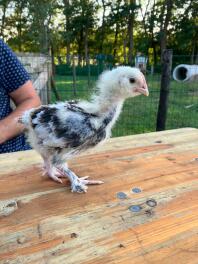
x=54 y=174
x=90 y=182
x=80 y=185
x=55 y=178
x=79 y=188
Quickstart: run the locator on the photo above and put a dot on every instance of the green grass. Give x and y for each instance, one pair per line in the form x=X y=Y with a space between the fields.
x=139 y=113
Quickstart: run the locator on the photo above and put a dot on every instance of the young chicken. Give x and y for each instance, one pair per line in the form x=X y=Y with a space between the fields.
x=60 y=131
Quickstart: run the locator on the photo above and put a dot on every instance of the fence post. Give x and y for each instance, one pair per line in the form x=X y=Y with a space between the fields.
x=164 y=89
x=74 y=76
x=49 y=71
x=52 y=82
x=88 y=71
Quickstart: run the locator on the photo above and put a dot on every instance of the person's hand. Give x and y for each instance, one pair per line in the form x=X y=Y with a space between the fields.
x=24 y=98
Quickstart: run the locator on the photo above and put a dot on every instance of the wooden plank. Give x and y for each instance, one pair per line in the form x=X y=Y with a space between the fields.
x=49 y=224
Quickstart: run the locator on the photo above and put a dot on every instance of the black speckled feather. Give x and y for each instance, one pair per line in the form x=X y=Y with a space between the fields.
x=76 y=131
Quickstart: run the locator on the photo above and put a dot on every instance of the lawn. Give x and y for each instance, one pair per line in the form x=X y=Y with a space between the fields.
x=139 y=114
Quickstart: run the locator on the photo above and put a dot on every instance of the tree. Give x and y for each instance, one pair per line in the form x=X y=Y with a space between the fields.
x=81 y=15
x=186 y=27
x=4 y=7
x=165 y=19
x=131 y=18
x=103 y=28
x=117 y=21
x=68 y=35
x=40 y=19
x=18 y=22
x=111 y=27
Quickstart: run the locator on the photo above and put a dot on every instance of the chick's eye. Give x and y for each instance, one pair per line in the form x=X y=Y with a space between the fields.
x=132 y=80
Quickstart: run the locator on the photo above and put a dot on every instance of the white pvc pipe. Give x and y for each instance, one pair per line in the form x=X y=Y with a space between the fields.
x=185 y=72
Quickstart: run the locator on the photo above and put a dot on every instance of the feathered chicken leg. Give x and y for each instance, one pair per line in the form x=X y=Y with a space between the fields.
x=55 y=172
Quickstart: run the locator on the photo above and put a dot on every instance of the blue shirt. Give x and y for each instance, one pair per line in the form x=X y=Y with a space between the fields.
x=12 y=76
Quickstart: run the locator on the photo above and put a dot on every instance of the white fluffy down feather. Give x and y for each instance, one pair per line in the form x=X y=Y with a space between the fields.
x=59 y=131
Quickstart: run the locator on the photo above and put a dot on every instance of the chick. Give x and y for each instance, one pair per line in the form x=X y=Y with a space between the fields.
x=60 y=131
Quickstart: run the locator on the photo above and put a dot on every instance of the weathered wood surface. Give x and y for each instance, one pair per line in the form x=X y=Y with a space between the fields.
x=43 y=222
x=40 y=69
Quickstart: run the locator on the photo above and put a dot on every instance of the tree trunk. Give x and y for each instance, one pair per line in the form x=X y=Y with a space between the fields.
x=151 y=30
x=86 y=47
x=80 y=48
x=53 y=85
x=144 y=15
x=59 y=60
x=192 y=53
x=124 y=51
x=194 y=48
x=74 y=76
x=67 y=23
x=68 y=47
x=53 y=60
x=115 y=41
x=130 y=32
x=19 y=29
x=102 y=27
x=196 y=58
x=168 y=6
x=154 y=54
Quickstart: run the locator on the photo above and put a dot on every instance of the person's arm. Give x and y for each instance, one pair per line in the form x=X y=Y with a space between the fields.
x=25 y=97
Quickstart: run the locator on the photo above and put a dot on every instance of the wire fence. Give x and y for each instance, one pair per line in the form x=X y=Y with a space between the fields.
x=77 y=81
x=139 y=114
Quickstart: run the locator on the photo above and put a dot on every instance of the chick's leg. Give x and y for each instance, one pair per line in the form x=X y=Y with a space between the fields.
x=52 y=171
x=78 y=184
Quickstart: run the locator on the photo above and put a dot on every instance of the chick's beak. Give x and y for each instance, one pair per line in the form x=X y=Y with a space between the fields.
x=143 y=89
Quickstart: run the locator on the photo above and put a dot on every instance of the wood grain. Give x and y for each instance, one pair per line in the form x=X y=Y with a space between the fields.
x=43 y=222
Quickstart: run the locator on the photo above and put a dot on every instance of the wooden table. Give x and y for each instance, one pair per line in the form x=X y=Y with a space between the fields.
x=43 y=222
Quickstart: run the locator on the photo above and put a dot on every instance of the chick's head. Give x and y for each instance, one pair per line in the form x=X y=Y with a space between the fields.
x=123 y=82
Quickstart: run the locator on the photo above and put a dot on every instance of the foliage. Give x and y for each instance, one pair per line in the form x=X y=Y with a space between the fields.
x=120 y=28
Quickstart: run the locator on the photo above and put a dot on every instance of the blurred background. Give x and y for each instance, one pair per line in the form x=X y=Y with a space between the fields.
x=66 y=44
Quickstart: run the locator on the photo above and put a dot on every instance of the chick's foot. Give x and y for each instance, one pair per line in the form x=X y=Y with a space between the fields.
x=78 y=185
